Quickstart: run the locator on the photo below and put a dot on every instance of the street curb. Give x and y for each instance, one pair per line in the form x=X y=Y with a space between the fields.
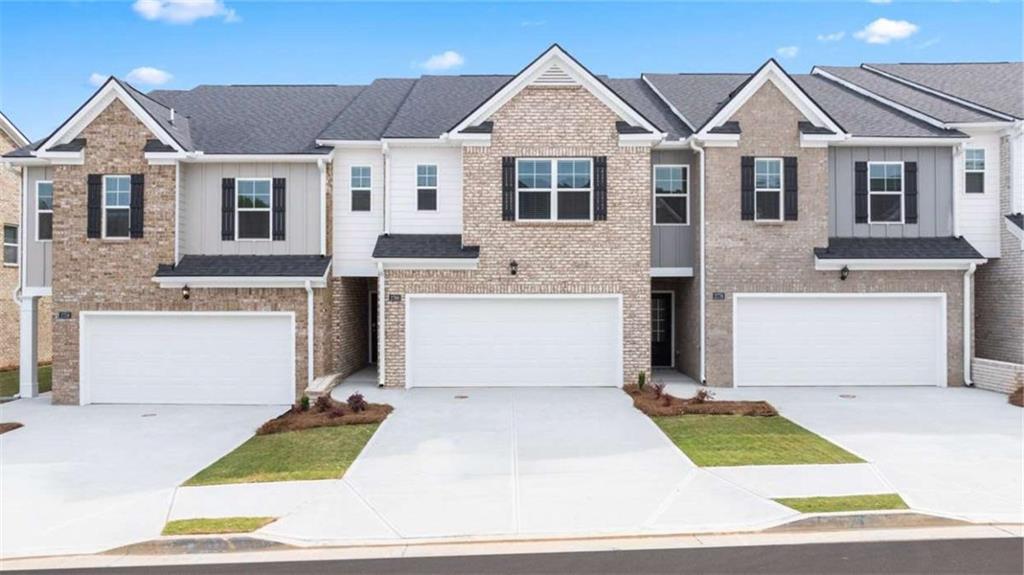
x=198 y=545
x=836 y=522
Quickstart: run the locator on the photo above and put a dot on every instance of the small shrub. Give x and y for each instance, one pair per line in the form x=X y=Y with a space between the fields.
x=356 y=402
x=666 y=400
x=323 y=403
x=701 y=396
x=659 y=390
x=641 y=380
x=304 y=403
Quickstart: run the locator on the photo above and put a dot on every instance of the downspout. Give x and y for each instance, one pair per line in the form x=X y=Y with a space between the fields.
x=177 y=210
x=703 y=295
x=309 y=333
x=958 y=154
x=381 y=327
x=18 y=290
x=322 y=166
x=968 y=323
x=385 y=153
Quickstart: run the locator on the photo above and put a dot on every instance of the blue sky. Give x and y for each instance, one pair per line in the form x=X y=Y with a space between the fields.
x=50 y=51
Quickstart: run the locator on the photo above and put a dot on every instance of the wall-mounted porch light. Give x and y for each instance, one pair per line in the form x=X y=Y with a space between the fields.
x=844 y=273
x=185 y=291
x=513 y=267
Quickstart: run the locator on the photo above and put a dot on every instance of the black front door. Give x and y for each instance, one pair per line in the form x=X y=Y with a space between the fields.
x=661 y=329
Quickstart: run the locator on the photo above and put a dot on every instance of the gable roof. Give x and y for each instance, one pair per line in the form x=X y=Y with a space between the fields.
x=642 y=97
x=370 y=113
x=998 y=86
x=19 y=138
x=697 y=97
x=436 y=103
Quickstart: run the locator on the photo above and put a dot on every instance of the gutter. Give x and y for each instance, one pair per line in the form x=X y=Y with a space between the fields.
x=968 y=323
x=322 y=166
x=385 y=152
x=703 y=296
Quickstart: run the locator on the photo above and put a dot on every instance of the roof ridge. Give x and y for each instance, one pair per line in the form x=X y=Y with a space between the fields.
x=340 y=112
x=399 y=107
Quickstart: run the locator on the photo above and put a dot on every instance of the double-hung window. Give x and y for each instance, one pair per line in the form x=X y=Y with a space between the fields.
x=671 y=195
x=252 y=198
x=117 y=201
x=974 y=170
x=554 y=189
x=44 y=211
x=885 y=192
x=426 y=187
x=359 y=184
x=768 y=189
x=10 y=245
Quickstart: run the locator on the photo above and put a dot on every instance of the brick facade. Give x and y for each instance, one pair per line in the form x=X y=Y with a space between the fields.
x=605 y=257
x=96 y=274
x=350 y=321
x=744 y=256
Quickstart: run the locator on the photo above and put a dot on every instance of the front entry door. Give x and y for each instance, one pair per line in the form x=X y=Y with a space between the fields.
x=661 y=330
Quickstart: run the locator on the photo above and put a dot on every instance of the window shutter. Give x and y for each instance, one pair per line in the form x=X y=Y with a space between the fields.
x=860 y=192
x=508 y=188
x=135 y=214
x=747 y=188
x=278 y=209
x=910 y=192
x=95 y=206
x=227 y=209
x=790 y=177
x=600 y=188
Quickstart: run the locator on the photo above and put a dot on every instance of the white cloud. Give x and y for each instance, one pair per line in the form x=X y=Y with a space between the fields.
x=788 y=51
x=97 y=79
x=150 y=76
x=833 y=37
x=183 y=11
x=884 y=30
x=444 y=61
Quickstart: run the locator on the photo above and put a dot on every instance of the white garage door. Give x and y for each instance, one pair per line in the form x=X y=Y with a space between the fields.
x=828 y=339
x=218 y=358
x=494 y=341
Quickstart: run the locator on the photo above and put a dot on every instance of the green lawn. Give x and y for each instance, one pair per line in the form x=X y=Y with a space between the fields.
x=723 y=440
x=320 y=453
x=845 y=503
x=9 y=380
x=213 y=526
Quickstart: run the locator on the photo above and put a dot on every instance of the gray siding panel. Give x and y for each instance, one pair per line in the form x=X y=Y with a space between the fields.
x=935 y=192
x=37 y=257
x=673 y=246
x=200 y=209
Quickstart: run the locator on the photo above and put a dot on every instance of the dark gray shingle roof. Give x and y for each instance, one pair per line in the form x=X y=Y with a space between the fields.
x=809 y=128
x=312 y=266
x=76 y=145
x=1017 y=219
x=995 y=85
x=898 y=248
x=370 y=113
x=697 y=96
x=641 y=98
x=730 y=127
x=448 y=246
x=437 y=103
x=179 y=129
x=917 y=100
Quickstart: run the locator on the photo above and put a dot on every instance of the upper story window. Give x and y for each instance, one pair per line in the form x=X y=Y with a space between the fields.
x=359 y=184
x=768 y=189
x=554 y=189
x=671 y=195
x=885 y=192
x=252 y=211
x=44 y=211
x=426 y=187
x=117 y=201
x=10 y=245
x=974 y=170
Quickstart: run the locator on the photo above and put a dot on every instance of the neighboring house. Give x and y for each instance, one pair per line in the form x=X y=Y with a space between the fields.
x=11 y=138
x=227 y=244
x=986 y=102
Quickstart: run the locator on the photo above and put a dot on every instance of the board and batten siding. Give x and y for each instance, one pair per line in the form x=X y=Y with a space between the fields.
x=355 y=233
x=405 y=217
x=36 y=256
x=934 y=192
x=673 y=246
x=200 y=209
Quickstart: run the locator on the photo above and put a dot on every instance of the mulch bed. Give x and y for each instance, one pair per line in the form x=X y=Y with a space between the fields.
x=657 y=403
x=326 y=412
x=1017 y=397
x=5 y=427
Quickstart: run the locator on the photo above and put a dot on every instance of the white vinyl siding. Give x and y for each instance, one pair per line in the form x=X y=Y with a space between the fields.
x=974 y=170
x=980 y=221
x=355 y=233
x=406 y=217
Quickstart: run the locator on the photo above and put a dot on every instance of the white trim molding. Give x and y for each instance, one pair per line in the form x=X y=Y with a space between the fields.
x=428 y=263
x=239 y=282
x=672 y=272
x=836 y=264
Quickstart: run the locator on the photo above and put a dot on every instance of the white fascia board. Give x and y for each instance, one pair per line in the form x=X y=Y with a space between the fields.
x=731 y=143
x=428 y=263
x=672 y=272
x=62 y=158
x=372 y=144
x=535 y=69
x=442 y=142
x=938 y=93
x=8 y=126
x=984 y=126
x=772 y=72
x=931 y=120
x=238 y=282
x=662 y=97
x=680 y=144
x=640 y=139
x=898 y=141
x=28 y=161
x=835 y=264
x=253 y=158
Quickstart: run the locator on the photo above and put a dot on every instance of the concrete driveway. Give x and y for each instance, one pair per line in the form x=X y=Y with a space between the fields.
x=87 y=479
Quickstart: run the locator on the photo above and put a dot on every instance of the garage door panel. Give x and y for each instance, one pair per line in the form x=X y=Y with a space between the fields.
x=846 y=340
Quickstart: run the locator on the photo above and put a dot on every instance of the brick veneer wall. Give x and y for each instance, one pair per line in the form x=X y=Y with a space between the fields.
x=350 y=324
x=608 y=257
x=95 y=274
x=999 y=293
x=744 y=256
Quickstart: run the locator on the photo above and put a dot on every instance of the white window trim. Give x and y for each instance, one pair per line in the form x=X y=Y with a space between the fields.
x=49 y=211
x=685 y=194
x=554 y=190
x=418 y=187
x=984 y=162
x=782 y=186
x=269 y=210
x=352 y=189
x=127 y=208
x=16 y=245
x=903 y=187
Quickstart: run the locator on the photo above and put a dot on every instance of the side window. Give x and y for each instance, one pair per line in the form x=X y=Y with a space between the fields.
x=10 y=245
x=426 y=187
x=974 y=170
x=768 y=189
x=359 y=184
x=252 y=209
x=885 y=192
x=44 y=211
x=671 y=195
x=117 y=196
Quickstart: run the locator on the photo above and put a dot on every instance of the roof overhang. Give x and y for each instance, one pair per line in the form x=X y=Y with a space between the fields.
x=240 y=282
x=428 y=263
x=8 y=126
x=158 y=158
x=899 y=141
x=894 y=264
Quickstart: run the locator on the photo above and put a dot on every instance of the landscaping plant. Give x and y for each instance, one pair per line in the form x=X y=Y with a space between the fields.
x=356 y=402
x=641 y=380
